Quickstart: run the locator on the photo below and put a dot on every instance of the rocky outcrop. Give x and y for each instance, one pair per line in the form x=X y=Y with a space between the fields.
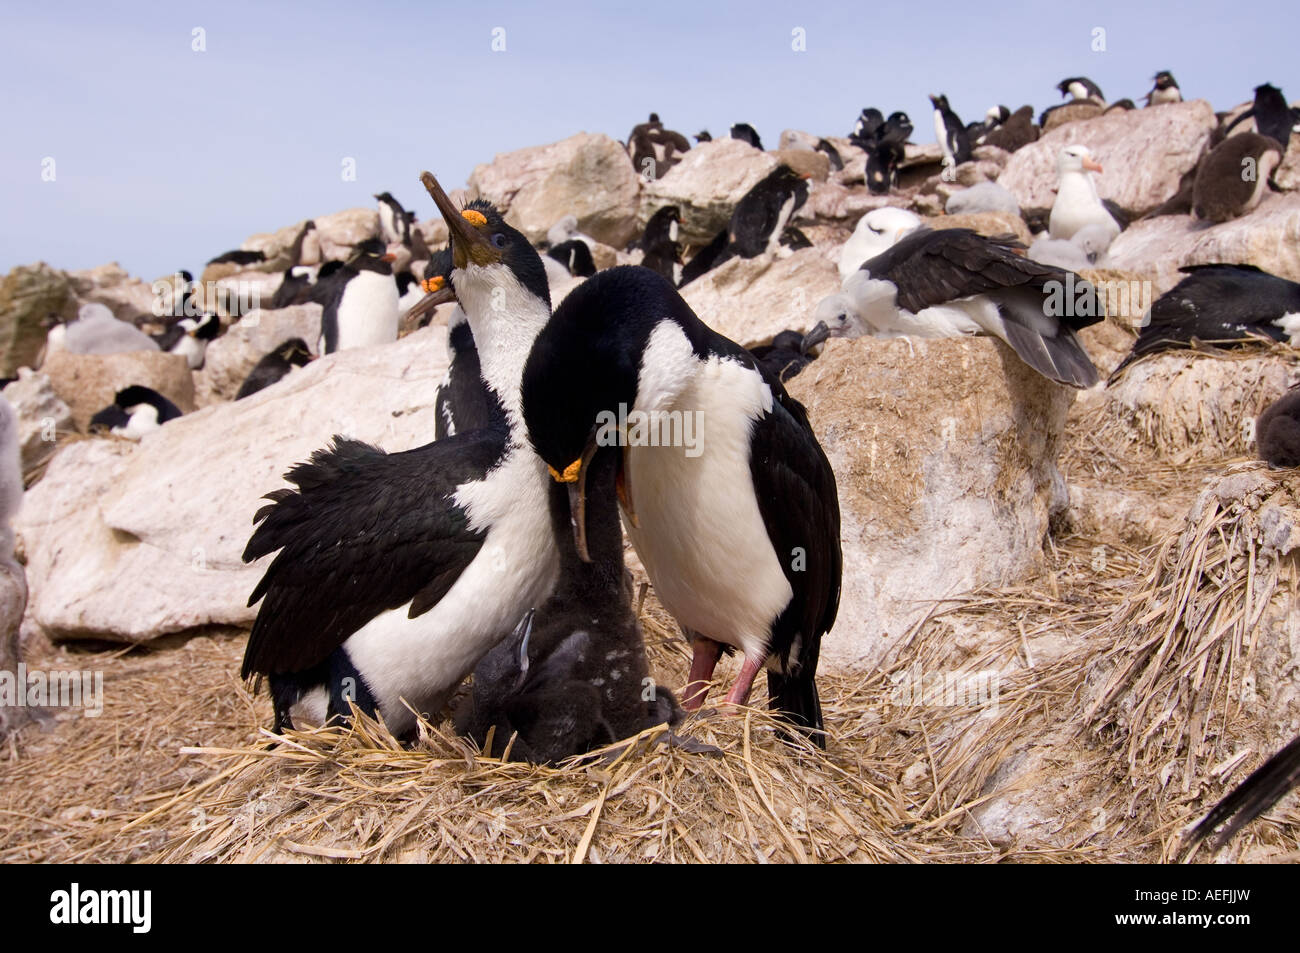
x=1269 y=238
x=832 y=203
x=1287 y=175
x=29 y=295
x=87 y=383
x=813 y=165
x=752 y=299
x=1193 y=407
x=130 y=299
x=128 y=542
x=944 y=451
x=990 y=224
x=1145 y=153
x=231 y=357
x=589 y=176
x=706 y=185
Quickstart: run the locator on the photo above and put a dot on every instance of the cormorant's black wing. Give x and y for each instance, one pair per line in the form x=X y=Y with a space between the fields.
x=800 y=506
x=364 y=532
x=1219 y=303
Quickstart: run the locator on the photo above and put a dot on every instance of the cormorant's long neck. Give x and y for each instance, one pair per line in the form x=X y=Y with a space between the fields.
x=505 y=318
x=604 y=574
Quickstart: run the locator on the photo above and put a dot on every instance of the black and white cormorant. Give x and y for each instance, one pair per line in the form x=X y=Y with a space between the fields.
x=726 y=493
x=397 y=572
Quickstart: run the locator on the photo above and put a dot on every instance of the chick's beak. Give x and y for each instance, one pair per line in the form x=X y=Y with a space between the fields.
x=816 y=337
x=468 y=243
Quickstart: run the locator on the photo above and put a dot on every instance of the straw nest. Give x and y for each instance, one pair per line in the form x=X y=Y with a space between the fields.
x=1131 y=687
x=1189 y=406
x=178 y=770
x=1200 y=684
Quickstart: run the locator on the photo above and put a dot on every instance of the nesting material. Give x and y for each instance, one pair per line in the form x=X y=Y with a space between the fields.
x=1200 y=686
x=1194 y=407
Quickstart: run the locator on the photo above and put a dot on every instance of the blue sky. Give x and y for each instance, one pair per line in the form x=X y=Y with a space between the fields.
x=165 y=157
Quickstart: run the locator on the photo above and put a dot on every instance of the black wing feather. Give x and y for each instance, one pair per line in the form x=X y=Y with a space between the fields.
x=934 y=267
x=364 y=532
x=1264 y=788
x=800 y=506
x=931 y=268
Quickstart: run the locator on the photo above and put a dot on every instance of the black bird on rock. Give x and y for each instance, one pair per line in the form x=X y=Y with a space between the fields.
x=1165 y=90
x=274 y=366
x=758 y=222
x=883 y=140
x=575 y=255
x=660 y=251
x=1274 y=117
x=746 y=133
x=1224 y=305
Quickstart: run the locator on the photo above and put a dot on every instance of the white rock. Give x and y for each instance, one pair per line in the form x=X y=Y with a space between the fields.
x=1269 y=238
x=944 y=451
x=131 y=541
x=588 y=176
x=339 y=231
x=42 y=416
x=752 y=299
x=706 y=186
x=1145 y=153
x=232 y=356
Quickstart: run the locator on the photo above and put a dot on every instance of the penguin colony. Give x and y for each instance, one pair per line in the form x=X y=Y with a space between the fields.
x=497 y=548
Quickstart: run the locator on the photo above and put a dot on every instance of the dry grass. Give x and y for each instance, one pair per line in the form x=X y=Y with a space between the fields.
x=1189 y=406
x=1123 y=710
x=1178 y=695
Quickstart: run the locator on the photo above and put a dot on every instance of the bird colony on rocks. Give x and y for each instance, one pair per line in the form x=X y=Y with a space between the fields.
x=800 y=407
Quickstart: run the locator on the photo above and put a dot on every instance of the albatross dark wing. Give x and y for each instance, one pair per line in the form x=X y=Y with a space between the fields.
x=931 y=268
x=364 y=532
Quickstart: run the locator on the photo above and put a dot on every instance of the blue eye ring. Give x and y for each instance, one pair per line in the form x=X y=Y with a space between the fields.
x=498 y=240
